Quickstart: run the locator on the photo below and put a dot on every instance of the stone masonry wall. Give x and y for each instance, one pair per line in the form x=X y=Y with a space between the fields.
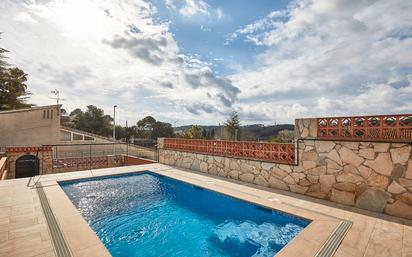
x=372 y=176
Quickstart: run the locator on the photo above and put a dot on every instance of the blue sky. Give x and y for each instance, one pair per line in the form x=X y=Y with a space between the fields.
x=195 y=61
x=206 y=35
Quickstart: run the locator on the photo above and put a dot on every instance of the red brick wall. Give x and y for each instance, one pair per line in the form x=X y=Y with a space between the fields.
x=130 y=160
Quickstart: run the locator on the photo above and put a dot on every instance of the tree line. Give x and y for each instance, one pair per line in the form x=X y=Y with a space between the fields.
x=94 y=120
x=13 y=88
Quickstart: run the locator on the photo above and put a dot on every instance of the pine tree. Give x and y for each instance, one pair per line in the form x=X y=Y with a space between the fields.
x=233 y=127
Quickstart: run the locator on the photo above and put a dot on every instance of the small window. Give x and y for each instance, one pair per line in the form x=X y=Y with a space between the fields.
x=65 y=136
x=77 y=137
x=48 y=114
x=44 y=114
x=51 y=114
x=87 y=138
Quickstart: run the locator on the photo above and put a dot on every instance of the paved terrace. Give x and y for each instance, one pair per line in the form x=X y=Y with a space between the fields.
x=24 y=230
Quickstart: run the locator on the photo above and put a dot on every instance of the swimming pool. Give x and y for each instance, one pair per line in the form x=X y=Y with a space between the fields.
x=146 y=214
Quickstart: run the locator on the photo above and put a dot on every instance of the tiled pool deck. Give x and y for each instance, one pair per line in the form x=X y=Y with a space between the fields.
x=24 y=230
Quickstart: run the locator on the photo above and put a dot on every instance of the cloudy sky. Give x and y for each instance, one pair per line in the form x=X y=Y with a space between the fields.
x=194 y=61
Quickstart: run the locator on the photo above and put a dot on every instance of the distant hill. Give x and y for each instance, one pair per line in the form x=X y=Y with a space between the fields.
x=250 y=132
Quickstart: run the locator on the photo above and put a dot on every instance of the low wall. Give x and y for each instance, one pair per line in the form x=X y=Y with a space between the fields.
x=86 y=163
x=375 y=176
x=76 y=164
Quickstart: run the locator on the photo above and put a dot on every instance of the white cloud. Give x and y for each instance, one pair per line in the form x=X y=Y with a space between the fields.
x=332 y=57
x=219 y=13
x=194 y=7
x=170 y=4
x=105 y=53
x=25 y=17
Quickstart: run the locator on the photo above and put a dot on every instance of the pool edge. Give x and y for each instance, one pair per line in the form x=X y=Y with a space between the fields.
x=325 y=225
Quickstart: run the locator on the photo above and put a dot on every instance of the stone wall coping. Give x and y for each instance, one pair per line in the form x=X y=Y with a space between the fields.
x=19 y=149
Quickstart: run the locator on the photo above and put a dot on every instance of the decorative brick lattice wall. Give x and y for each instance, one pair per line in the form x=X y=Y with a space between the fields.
x=269 y=152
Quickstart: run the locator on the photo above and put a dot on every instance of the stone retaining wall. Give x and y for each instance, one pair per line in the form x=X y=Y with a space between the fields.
x=372 y=176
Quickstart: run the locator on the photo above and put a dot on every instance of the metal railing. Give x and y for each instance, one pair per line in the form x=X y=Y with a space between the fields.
x=269 y=152
x=391 y=128
x=88 y=156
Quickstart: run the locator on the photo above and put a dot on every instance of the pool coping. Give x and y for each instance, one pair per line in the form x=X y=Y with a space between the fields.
x=321 y=237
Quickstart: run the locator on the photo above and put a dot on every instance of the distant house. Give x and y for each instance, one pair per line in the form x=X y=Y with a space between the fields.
x=40 y=125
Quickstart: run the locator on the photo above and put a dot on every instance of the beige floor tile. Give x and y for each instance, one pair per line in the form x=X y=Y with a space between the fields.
x=4 y=236
x=386 y=240
x=5 y=212
x=27 y=231
x=407 y=242
x=95 y=251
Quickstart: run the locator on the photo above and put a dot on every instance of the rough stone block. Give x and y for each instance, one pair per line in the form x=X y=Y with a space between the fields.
x=377 y=180
x=401 y=155
x=326 y=182
x=313 y=178
x=408 y=173
x=334 y=156
x=367 y=153
x=351 y=169
x=203 y=167
x=321 y=170
x=309 y=165
x=277 y=183
x=342 y=197
x=314 y=188
x=382 y=164
x=234 y=174
x=289 y=180
x=351 y=145
x=333 y=165
x=309 y=156
x=380 y=147
x=398 y=171
x=345 y=186
x=304 y=182
x=268 y=165
x=261 y=181
x=405 y=182
x=247 y=177
x=365 y=172
x=278 y=173
x=349 y=177
x=399 y=209
x=324 y=146
x=298 y=189
x=373 y=200
x=395 y=188
x=350 y=157
x=406 y=197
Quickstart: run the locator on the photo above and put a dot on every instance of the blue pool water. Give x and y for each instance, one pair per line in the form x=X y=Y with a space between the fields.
x=151 y=215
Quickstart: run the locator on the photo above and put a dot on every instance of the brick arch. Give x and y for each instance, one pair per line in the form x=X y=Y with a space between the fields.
x=43 y=153
x=27 y=166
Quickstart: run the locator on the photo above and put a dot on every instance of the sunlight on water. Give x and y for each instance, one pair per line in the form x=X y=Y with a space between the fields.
x=263 y=235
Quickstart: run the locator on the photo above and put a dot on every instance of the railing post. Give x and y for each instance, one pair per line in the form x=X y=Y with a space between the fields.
x=90 y=157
